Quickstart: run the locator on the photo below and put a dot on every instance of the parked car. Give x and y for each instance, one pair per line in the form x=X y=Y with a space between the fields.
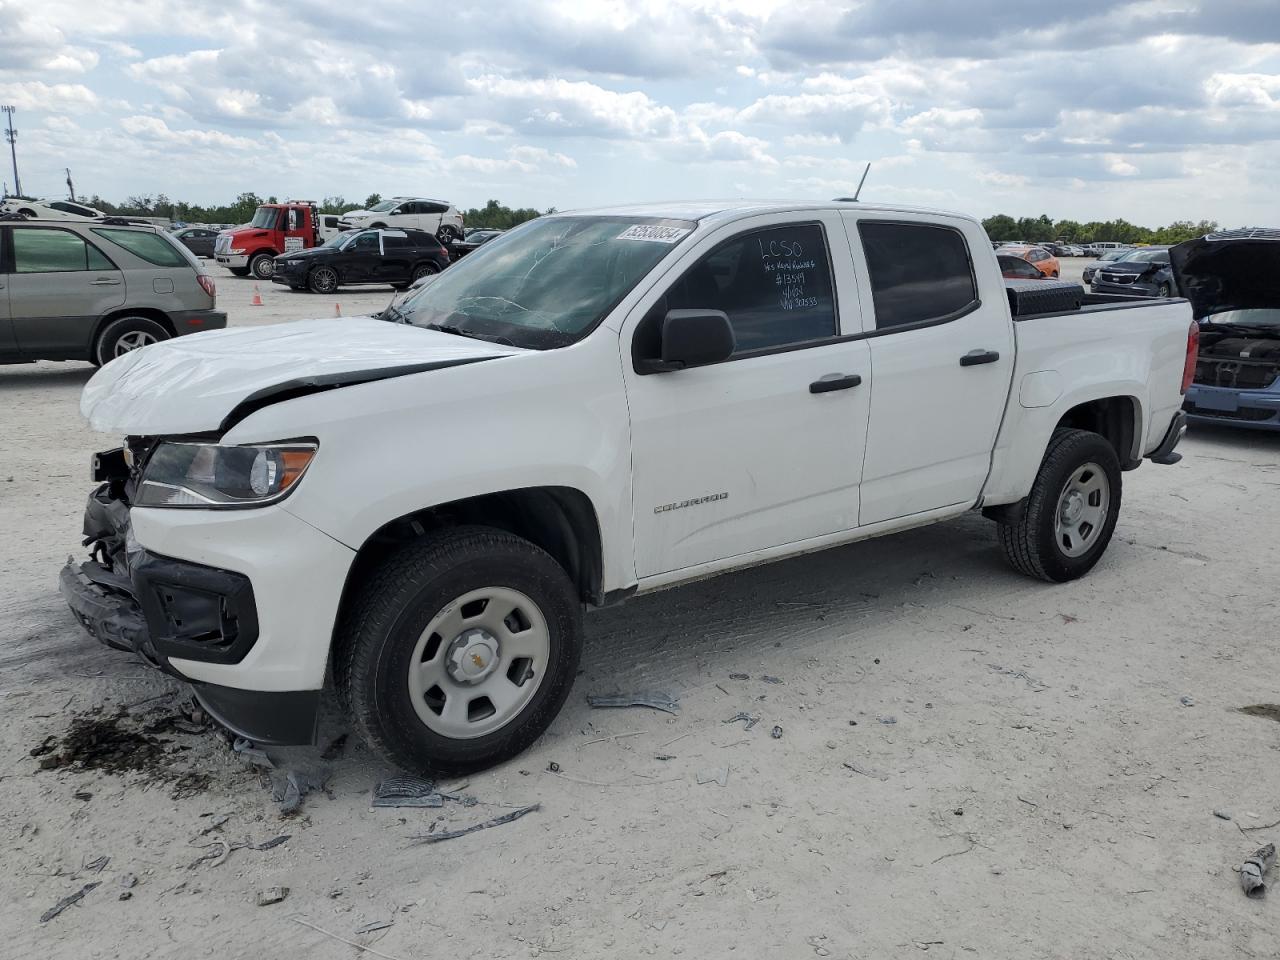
x=608 y=402
x=474 y=240
x=95 y=291
x=395 y=257
x=276 y=228
x=1016 y=268
x=438 y=217
x=1230 y=279
x=199 y=240
x=1106 y=257
x=48 y=209
x=1038 y=257
x=1144 y=272
x=1070 y=250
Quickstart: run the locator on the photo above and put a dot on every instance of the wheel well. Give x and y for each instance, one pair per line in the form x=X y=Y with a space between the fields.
x=257 y=253
x=560 y=520
x=1114 y=418
x=149 y=312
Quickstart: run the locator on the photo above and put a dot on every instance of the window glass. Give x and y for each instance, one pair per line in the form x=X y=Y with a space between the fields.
x=366 y=241
x=49 y=251
x=775 y=286
x=434 y=207
x=151 y=247
x=918 y=272
x=394 y=241
x=1017 y=267
x=98 y=260
x=295 y=219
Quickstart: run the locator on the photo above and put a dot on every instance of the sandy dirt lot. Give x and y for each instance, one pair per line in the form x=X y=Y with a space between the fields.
x=971 y=764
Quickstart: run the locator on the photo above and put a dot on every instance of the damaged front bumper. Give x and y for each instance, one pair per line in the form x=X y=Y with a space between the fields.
x=179 y=615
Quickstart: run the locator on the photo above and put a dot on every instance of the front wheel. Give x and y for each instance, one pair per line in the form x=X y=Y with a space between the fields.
x=323 y=280
x=1071 y=512
x=262 y=266
x=459 y=650
x=239 y=271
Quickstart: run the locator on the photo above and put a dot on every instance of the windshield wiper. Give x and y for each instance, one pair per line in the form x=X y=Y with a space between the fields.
x=472 y=334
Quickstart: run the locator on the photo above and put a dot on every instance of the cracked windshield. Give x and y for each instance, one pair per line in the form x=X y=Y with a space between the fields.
x=546 y=284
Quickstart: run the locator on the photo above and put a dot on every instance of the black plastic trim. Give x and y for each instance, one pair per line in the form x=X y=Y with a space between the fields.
x=280 y=718
x=1094 y=304
x=183 y=601
x=1164 y=454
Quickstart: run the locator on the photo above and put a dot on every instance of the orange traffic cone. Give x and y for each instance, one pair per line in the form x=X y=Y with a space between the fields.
x=337 y=309
x=257 y=297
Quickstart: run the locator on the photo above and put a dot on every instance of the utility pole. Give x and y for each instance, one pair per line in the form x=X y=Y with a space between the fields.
x=12 y=136
x=71 y=187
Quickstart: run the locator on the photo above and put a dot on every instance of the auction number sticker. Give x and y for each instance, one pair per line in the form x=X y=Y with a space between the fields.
x=653 y=233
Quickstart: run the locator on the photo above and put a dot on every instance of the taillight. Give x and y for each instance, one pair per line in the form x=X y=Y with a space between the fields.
x=207 y=285
x=1193 y=351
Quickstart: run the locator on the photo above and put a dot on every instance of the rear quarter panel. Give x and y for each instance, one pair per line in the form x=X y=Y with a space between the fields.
x=1065 y=360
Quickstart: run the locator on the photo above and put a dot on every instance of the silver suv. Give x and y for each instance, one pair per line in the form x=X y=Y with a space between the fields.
x=93 y=291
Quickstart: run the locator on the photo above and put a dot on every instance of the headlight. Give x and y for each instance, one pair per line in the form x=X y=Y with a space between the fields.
x=215 y=477
x=236 y=251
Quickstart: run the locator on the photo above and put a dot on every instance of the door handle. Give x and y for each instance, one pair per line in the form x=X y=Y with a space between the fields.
x=835 y=381
x=975 y=357
x=104 y=282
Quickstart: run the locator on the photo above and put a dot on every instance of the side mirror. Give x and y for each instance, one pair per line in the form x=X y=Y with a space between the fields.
x=693 y=337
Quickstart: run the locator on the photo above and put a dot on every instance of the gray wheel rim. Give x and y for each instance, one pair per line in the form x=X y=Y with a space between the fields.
x=128 y=342
x=263 y=267
x=325 y=280
x=479 y=662
x=1082 y=509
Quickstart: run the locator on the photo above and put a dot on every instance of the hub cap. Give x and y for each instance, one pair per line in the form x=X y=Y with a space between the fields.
x=1082 y=510
x=479 y=662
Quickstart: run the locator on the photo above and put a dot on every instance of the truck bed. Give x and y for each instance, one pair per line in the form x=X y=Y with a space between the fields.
x=1036 y=299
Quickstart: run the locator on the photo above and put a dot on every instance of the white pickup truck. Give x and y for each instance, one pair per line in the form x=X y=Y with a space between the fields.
x=592 y=405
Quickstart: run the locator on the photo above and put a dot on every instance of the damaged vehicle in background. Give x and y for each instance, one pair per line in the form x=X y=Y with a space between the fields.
x=394 y=257
x=1141 y=272
x=1107 y=257
x=599 y=404
x=1232 y=279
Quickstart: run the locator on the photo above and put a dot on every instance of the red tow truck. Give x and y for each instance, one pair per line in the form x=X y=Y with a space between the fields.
x=276 y=228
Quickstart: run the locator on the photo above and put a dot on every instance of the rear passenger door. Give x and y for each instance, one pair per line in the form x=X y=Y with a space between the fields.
x=59 y=286
x=942 y=358
x=765 y=448
x=393 y=265
x=8 y=341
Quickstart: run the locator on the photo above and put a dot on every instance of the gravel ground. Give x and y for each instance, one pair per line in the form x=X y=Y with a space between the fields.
x=970 y=763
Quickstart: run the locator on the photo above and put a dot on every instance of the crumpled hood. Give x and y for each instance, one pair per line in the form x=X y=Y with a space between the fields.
x=206 y=381
x=1233 y=270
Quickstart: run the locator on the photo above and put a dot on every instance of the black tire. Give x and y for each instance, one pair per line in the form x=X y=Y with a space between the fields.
x=377 y=226
x=262 y=266
x=448 y=234
x=423 y=270
x=387 y=614
x=1031 y=544
x=323 y=279
x=239 y=271
x=115 y=338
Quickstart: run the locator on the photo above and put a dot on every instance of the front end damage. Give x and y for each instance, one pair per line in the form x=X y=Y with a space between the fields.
x=165 y=609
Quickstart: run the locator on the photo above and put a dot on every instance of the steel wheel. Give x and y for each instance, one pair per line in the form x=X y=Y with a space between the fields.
x=324 y=280
x=479 y=662
x=263 y=266
x=1082 y=509
x=132 y=341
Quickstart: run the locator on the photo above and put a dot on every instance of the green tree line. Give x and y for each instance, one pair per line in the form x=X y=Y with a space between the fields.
x=493 y=214
x=1040 y=229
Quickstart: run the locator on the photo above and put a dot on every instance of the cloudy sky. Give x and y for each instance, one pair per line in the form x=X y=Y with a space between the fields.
x=1152 y=110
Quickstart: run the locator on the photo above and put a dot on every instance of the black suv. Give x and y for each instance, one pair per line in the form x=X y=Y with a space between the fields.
x=387 y=257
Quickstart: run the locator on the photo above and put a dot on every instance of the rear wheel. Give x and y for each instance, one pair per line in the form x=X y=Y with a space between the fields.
x=323 y=280
x=458 y=651
x=262 y=266
x=424 y=270
x=1071 y=512
x=448 y=234
x=126 y=334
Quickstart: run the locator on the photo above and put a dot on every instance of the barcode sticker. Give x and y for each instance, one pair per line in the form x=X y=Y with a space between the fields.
x=653 y=233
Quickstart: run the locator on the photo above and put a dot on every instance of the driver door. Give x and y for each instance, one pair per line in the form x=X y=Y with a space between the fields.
x=754 y=452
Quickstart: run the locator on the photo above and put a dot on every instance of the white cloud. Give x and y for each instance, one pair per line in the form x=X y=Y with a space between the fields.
x=37 y=95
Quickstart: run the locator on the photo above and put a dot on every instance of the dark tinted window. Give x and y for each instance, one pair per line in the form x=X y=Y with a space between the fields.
x=393 y=241
x=1017 y=267
x=774 y=284
x=918 y=272
x=366 y=242
x=427 y=207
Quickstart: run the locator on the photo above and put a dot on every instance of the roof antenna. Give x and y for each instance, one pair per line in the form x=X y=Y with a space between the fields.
x=858 y=192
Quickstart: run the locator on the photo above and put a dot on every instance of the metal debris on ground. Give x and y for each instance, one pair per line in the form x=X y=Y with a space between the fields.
x=215 y=823
x=374 y=925
x=406 y=792
x=776 y=733
x=1253 y=871
x=485 y=825
x=1187 y=701
x=218 y=851
x=553 y=767
x=664 y=756
x=718 y=775
x=128 y=880
x=1036 y=685
x=768 y=679
x=269 y=844
x=272 y=895
x=656 y=701
x=865 y=771
x=1222 y=814
x=295 y=785
x=96 y=866
x=255 y=755
x=751 y=720
x=334 y=750
x=739 y=676
x=68 y=900
x=84 y=795
x=888 y=720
